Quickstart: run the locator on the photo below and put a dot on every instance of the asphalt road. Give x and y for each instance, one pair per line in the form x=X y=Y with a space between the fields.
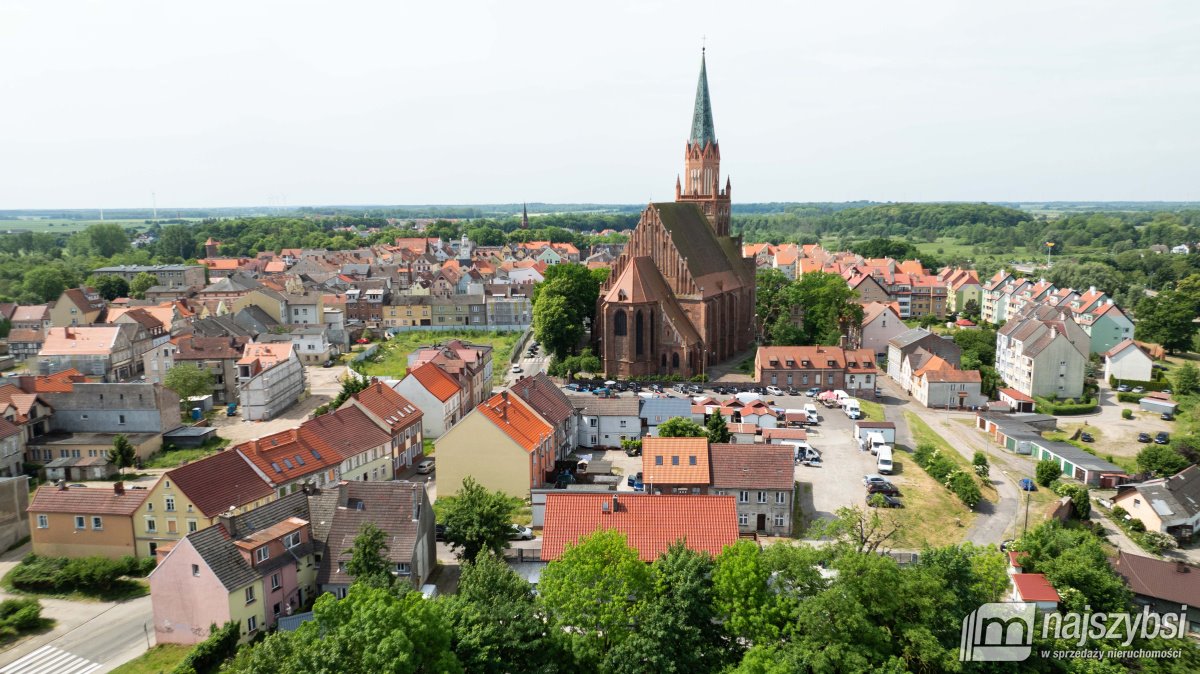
x=89 y=637
x=529 y=366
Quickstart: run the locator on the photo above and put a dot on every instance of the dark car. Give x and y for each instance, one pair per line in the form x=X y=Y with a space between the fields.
x=812 y=391
x=1167 y=416
x=793 y=391
x=1162 y=438
x=886 y=488
x=1143 y=437
x=634 y=478
x=881 y=500
x=1087 y=437
x=1027 y=484
x=439 y=532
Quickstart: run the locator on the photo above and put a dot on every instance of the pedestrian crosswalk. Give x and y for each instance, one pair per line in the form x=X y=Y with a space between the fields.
x=50 y=660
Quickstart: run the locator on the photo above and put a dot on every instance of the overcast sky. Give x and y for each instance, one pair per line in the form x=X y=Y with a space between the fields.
x=251 y=102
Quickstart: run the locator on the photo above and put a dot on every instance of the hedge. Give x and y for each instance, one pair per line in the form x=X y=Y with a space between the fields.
x=1056 y=408
x=36 y=573
x=208 y=655
x=946 y=472
x=18 y=616
x=1156 y=385
x=1126 y=397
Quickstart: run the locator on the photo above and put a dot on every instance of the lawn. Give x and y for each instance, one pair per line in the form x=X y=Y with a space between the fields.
x=161 y=658
x=522 y=513
x=53 y=225
x=1127 y=463
x=427 y=447
x=922 y=433
x=391 y=360
x=931 y=514
x=173 y=458
x=872 y=411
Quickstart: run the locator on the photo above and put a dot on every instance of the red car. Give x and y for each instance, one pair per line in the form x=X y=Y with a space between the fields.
x=363 y=341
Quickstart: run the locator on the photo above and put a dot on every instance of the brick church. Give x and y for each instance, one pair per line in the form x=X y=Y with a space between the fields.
x=680 y=297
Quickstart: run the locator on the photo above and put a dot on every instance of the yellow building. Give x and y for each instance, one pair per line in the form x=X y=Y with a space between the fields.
x=84 y=522
x=77 y=306
x=503 y=444
x=194 y=497
x=264 y=298
x=410 y=311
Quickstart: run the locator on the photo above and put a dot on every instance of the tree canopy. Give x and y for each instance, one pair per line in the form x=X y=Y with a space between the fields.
x=679 y=427
x=478 y=520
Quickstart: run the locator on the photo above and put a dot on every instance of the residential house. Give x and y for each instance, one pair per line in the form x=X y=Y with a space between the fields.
x=829 y=367
x=24 y=344
x=606 y=422
x=437 y=395
x=77 y=306
x=941 y=385
x=229 y=288
x=251 y=569
x=881 y=322
x=32 y=317
x=1106 y=326
x=398 y=417
x=1169 y=505
x=504 y=444
x=95 y=350
x=1163 y=585
x=676 y=465
x=910 y=350
x=365 y=447
x=1036 y=589
x=1042 y=352
x=312 y=344
x=84 y=522
x=170 y=275
x=289 y=459
x=270 y=379
x=303 y=308
x=963 y=286
x=408 y=311
x=218 y=355
x=1128 y=361
x=651 y=523
x=272 y=302
x=400 y=509
x=12 y=449
x=469 y=364
x=553 y=406
x=145 y=332
x=762 y=478
x=194 y=496
x=655 y=411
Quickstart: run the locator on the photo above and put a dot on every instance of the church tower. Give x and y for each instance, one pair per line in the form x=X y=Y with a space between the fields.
x=702 y=162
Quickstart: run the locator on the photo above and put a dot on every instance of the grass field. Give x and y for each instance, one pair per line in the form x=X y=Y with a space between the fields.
x=922 y=433
x=175 y=457
x=161 y=658
x=872 y=411
x=52 y=225
x=391 y=360
x=931 y=514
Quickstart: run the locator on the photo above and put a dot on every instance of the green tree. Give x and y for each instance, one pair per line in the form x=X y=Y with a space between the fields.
x=371 y=630
x=742 y=595
x=718 y=430
x=857 y=530
x=1167 y=319
x=830 y=306
x=478 y=520
x=555 y=325
x=140 y=284
x=109 y=287
x=679 y=427
x=1047 y=471
x=188 y=381
x=369 y=563
x=982 y=468
x=1161 y=460
x=46 y=284
x=1186 y=379
x=565 y=302
x=1074 y=559
x=497 y=624
x=770 y=303
x=106 y=239
x=122 y=454
x=177 y=241
x=593 y=592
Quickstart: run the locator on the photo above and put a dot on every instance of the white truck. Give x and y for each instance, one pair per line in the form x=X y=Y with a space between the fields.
x=875 y=441
x=851 y=407
x=883 y=462
x=803 y=452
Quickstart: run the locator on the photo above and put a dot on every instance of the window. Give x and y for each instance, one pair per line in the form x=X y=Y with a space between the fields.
x=275 y=581
x=622 y=423
x=251 y=622
x=674 y=460
x=120 y=418
x=97 y=523
x=172 y=527
x=250 y=596
x=658 y=461
x=80 y=522
x=403 y=569
x=762 y=497
x=170 y=504
x=692 y=460
x=43 y=522
x=779 y=520
x=149 y=506
x=151 y=525
x=592 y=422
x=743 y=519
x=1137 y=501
x=780 y=497
x=262 y=554
x=191 y=526
x=291 y=540
x=743 y=497
x=276 y=609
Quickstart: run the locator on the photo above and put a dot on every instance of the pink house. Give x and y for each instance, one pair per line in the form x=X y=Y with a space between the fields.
x=250 y=568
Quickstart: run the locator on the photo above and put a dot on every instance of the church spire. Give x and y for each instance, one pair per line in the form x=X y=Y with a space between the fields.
x=524 y=217
x=702 y=119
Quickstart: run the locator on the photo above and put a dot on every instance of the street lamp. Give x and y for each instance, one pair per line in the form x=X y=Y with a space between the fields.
x=1049 y=247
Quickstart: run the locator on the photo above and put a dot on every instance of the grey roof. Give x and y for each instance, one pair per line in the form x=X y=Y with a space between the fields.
x=1176 y=497
x=221 y=326
x=702 y=118
x=233 y=283
x=594 y=406
x=292 y=505
x=146 y=268
x=909 y=337
x=216 y=548
x=1078 y=457
x=666 y=408
x=389 y=506
x=255 y=318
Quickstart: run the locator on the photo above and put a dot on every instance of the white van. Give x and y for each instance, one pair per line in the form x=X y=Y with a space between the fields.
x=875 y=441
x=851 y=407
x=810 y=408
x=883 y=463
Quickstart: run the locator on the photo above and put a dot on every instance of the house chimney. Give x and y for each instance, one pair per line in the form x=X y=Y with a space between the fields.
x=119 y=488
x=61 y=484
x=228 y=520
x=615 y=503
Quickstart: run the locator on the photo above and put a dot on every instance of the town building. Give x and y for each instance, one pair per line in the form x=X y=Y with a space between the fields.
x=470 y=365
x=827 y=367
x=504 y=444
x=656 y=411
x=1042 y=352
x=169 y=275
x=1128 y=361
x=1169 y=505
x=103 y=351
x=941 y=385
x=77 y=306
x=218 y=355
x=270 y=379
x=676 y=465
x=1163 y=585
x=913 y=349
x=881 y=322
x=437 y=395
x=762 y=478
x=607 y=422
x=553 y=406
x=396 y=416
x=84 y=522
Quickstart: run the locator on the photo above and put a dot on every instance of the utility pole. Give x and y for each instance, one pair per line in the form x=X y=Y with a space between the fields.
x=1025 y=530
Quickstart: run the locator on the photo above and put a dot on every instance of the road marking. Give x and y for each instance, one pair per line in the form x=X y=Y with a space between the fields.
x=50 y=660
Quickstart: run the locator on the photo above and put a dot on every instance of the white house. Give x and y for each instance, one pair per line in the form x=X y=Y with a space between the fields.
x=946 y=387
x=605 y=422
x=880 y=324
x=270 y=379
x=1042 y=351
x=436 y=394
x=1128 y=361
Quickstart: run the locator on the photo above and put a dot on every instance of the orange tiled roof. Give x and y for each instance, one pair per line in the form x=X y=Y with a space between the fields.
x=675 y=461
x=384 y=402
x=437 y=382
x=51 y=499
x=650 y=522
x=517 y=419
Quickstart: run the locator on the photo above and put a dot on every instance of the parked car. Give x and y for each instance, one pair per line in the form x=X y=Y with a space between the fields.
x=425 y=467
x=1087 y=437
x=1027 y=484
x=883 y=488
x=328 y=363
x=520 y=533
x=1138 y=389
x=881 y=500
x=812 y=392
x=1144 y=437
x=1167 y=391
x=1123 y=388
x=1167 y=416
x=868 y=479
x=792 y=391
x=517 y=369
x=774 y=391
x=634 y=478
x=439 y=532
x=855 y=413
x=1162 y=438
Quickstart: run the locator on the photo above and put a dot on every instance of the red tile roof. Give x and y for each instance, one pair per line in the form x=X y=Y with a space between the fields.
x=650 y=522
x=219 y=482
x=87 y=501
x=545 y=398
x=389 y=406
x=1171 y=581
x=1015 y=395
x=755 y=466
x=437 y=382
x=675 y=461
x=349 y=431
x=1034 y=587
x=276 y=455
x=517 y=419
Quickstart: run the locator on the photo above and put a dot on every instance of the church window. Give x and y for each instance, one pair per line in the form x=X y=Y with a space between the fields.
x=639 y=331
x=619 y=321
x=675 y=360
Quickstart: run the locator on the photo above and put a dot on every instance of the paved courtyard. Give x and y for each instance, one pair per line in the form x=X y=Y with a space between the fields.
x=323 y=384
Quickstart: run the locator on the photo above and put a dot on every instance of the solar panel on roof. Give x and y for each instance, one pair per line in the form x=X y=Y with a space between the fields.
x=276 y=467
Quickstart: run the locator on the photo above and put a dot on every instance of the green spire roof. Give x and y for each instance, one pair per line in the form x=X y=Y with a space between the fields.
x=702 y=121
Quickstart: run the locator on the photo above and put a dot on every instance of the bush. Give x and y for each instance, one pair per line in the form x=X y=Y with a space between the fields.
x=1126 y=413
x=982 y=468
x=965 y=488
x=944 y=471
x=20 y=614
x=1065 y=408
x=36 y=573
x=1047 y=471
x=1137 y=525
x=1126 y=397
x=1156 y=542
x=1156 y=385
x=1080 y=497
x=1119 y=513
x=208 y=655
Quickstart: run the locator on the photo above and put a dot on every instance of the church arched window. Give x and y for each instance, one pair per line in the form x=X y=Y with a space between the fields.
x=639 y=333
x=675 y=360
x=619 y=323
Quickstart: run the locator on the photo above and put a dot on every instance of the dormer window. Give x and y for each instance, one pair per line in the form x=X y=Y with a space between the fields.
x=262 y=554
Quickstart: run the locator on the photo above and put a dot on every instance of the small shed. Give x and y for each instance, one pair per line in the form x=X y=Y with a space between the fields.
x=1017 y=401
x=887 y=428
x=205 y=403
x=189 y=436
x=1158 y=403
